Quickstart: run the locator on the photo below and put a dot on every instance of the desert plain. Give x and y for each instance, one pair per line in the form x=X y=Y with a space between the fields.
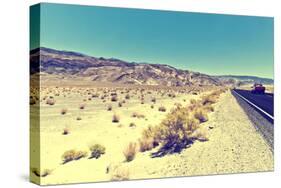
x=115 y=121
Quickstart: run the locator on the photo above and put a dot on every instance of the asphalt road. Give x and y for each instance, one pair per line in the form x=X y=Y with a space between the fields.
x=263 y=101
x=259 y=109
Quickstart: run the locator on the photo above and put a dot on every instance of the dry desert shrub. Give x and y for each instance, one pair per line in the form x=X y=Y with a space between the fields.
x=208 y=108
x=119 y=173
x=82 y=106
x=44 y=173
x=132 y=124
x=200 y=134
x=63 y=111
x=127 y=96
x=95 y=95
x=96 y=150
x=130 y=151
x=119 y=104
x=137 y=115
x=153 y=100
x=114 y=98
x=201 y=115
x=193 y=101
x=71 y=155
x=152 y=106
x=78 y=118
x=162 y=109
x=66 y=131
x=145 y=144
x=50 y=101
x=109 y=107
x=174 y=131
x=115 y=118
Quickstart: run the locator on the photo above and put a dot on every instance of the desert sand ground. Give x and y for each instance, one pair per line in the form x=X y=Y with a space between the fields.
x=233 y=146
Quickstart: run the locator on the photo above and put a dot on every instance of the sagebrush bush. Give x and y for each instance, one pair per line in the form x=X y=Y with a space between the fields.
x=145 y=144
x=200 y=134
x=115 y=118
x=71 y=155
x=137 y=115
x=120 y=173
x=162 y=109
x=65 y=131
x=114 y=98
x=97 y=150
x=44 y=173
x=127 y=96
x=82 y=106
x=63 y=111
x=132 y=124
x=201 y=115
x=130 y=151
x=109 y=107
x=50 y=101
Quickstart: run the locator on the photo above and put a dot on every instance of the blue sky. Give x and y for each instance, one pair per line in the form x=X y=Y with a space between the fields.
x=209 y=43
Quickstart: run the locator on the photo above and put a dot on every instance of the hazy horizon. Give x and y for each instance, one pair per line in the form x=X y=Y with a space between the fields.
x=213 y=44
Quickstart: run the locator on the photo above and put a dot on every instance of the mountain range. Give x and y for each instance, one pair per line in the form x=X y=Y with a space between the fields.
x=100 y=69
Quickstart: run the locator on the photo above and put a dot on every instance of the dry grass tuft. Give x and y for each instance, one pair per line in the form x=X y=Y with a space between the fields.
x=137 y=115
x=63 y=111
x=96 y=151
x=66 y=131
x=82 y=106
x=145 y=144
x=162 y=109
x=201 y=115
x=44 y=173
x=115 y=118
x=109 y=107
x=119 y=173
x=130 y=152
x=50 y=101
x=114 y=98
x=200 y=134
x=127 y=96
x=71 y=155
x=132 y=124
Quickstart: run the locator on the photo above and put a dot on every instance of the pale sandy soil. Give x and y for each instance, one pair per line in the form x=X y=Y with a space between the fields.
x=95 y=127
x=233 y=146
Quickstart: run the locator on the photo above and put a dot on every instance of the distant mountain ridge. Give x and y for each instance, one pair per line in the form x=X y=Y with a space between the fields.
x=66 y=63
x=247 y=79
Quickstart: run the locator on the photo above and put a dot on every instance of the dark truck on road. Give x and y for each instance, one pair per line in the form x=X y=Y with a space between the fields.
x=258 y=89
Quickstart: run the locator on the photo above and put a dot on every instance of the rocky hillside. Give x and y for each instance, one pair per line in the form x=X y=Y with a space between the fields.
x=65 y=63
x=113 y=70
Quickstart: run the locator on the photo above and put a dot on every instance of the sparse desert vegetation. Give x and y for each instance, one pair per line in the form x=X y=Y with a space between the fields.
x=72 y=155
x=151 y=122
x=130 y=151
x=97 y=150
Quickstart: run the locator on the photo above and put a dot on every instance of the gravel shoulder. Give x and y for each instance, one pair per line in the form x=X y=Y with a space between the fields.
x=262 y=125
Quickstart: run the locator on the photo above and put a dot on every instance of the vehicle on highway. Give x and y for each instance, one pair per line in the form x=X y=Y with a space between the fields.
x=258 y=89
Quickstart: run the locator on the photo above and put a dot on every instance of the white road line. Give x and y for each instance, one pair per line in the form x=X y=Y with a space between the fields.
x=255 y=105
